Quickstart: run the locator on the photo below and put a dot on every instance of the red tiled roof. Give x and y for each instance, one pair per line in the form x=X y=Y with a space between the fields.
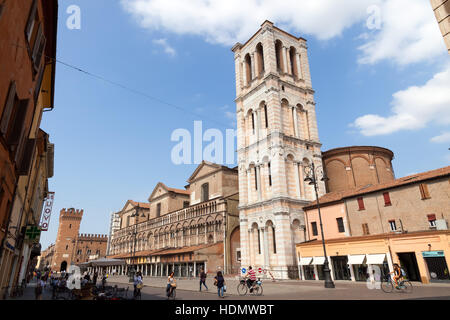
x=163 y=251
x=415 y=178
x=140 y=204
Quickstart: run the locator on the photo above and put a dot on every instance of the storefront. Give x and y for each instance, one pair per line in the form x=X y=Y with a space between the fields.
x=437 y=266
x=423 y=255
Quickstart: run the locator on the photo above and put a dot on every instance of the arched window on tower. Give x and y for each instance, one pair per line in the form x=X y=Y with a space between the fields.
x=293 y=56
x=253 y=122
x=248 y=69
x=260 y=57
x=279 y=54
x=265 y=116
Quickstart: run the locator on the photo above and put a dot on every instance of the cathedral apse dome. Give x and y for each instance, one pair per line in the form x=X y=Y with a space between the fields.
x=358 y=166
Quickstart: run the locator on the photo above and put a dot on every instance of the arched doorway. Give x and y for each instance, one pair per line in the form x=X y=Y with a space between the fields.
x=63 y=266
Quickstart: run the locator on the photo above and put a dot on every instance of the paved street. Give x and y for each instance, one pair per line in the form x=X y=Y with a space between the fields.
x=284 y=290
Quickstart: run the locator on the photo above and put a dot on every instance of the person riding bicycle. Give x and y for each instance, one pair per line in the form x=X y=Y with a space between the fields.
x=397 y=275
x=171 y=284
x=251 y=275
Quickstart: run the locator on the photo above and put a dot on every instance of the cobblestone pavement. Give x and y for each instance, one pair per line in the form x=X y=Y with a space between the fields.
x=282 y=290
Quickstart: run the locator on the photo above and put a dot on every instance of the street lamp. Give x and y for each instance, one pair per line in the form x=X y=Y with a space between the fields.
x=312 y=174
x=134 y=233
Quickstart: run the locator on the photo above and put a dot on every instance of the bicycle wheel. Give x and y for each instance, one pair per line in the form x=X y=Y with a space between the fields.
x=258 y=290
x=242 y=289
x=387 y=286
x=407 y=287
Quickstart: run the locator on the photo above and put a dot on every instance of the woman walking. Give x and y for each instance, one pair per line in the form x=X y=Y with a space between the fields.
x=219 y=281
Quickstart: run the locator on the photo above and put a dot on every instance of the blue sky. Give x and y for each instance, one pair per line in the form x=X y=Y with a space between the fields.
x=112 y=145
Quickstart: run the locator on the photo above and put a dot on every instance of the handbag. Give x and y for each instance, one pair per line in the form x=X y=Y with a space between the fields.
x=140 y=285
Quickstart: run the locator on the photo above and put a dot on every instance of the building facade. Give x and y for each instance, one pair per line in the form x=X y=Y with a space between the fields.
x=441 y=10
x=404 y=221
x=71 y=247
x=352 y=167
x=277 y=140
x=182 y=230
x=27 y=51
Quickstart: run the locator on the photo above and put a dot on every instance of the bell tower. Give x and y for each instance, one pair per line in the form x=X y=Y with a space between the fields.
x=277 y=139
x=68 y=229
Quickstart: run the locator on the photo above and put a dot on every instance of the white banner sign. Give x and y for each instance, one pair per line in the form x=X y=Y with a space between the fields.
x=45 y=220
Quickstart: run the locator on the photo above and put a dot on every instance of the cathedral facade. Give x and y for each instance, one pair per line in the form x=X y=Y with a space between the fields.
x=277 y=142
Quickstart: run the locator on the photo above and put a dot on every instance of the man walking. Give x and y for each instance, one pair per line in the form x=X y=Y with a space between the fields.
x=203 y=279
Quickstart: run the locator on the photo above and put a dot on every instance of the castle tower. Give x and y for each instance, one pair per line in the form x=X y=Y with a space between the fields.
x=277 y=138
x=69 y=226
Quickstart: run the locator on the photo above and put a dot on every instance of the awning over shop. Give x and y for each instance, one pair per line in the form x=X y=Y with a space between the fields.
x=356 y=259
x=318 y=260
x=375 y=258
x=103 y=262
x=305 y=261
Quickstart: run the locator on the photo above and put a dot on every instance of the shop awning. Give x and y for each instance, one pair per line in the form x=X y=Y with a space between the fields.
x=375 y=258
x=356 y=259
x=318 y=260
x=305 y=261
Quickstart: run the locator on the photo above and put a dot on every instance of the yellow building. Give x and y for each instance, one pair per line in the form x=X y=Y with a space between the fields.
x=424 y=255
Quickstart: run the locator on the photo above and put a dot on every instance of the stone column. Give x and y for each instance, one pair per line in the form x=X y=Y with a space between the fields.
x=195 y=269
x=295 y=117
x=256 y=64
x=316 y=272
x=297 y=179
x=250 y=247
x=253 y=67
x=302 y=182
x=244 y=73
x=249 y=186
x=299 y=68
x=266 y=248
x=285 y=60
x=352 y=272
x=257 y=120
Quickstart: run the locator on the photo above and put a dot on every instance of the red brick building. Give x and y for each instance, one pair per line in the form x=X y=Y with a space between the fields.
x=28 y=33
x=72 y=247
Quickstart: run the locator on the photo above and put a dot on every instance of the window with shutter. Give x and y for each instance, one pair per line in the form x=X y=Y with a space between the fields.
x=424 y=191
x=387 y=199
x=15 y=137
x=8 y=109
x=25 y=163
x=38 y=58
x=392 y=225
x=31 y=21
x=340 y=223
x=365 y=228
x=361 y=203
x=37 y=89
x=314 y=228
x=432 y=220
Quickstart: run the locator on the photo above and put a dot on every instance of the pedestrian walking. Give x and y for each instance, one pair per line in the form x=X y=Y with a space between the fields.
x=138 y=284
x=219 y=281
x=203 y=279
x=94 y=278
x=39 y=288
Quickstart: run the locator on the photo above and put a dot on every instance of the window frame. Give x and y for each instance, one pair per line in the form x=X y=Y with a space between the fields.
x=392 y=223
x=361 y=206
x=314 y=230
x=340 y=225
x=387 y=199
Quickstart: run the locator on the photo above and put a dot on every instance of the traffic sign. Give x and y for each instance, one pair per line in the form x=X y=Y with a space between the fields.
x=260 y=270
x=244 y=270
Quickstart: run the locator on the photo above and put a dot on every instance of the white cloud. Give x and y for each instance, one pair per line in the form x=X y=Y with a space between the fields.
x=409 y=33
x=412 y=108
x=443 y=138
x=165 y=45
x=227 y=22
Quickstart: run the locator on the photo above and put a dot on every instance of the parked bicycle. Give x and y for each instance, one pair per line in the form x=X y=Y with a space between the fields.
x=257 y=288
x=388 y=285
